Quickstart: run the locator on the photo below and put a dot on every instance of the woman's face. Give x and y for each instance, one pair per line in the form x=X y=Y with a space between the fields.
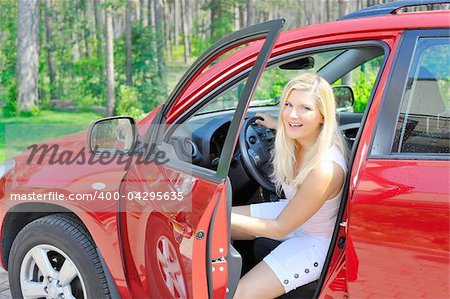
x=301 y=117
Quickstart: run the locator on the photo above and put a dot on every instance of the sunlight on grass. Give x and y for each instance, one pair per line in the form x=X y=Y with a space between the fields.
x=24 y=131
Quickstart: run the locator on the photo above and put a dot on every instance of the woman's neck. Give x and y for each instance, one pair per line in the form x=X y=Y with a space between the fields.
x=299 y=153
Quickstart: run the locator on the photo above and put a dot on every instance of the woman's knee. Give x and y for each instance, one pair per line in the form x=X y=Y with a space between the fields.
x=260 y=282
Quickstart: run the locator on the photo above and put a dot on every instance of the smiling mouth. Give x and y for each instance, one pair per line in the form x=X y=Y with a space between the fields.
x=294 y=126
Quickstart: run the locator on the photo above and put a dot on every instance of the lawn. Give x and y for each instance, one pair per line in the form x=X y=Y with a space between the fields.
x=17 y=133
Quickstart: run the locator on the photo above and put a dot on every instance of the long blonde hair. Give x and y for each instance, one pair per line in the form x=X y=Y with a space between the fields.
x=284 y=155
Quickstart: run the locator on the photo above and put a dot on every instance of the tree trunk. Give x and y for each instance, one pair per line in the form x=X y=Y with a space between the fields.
x=168 y=41
x=152 y=30
x=144 y=12
x=128 y=64
x=184 y=29
x=176 y=21
x=215 y=17
x=159 y=30
x=251 y=12
x=189 y=24
x=27 y=53
x=242 y=20
x=50 y=49
x=109 y=62
x=343 y=8
x=328 y=11
x=75 y=47
x=98 y=27
x=87 y=32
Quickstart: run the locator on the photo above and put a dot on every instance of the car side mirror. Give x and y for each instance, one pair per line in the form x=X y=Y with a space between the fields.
x=344 y=98
x=114 y=135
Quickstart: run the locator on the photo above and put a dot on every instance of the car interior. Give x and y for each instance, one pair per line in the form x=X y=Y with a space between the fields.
x=198 y=137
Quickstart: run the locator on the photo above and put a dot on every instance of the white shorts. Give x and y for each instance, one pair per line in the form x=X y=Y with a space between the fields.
x=299 y=259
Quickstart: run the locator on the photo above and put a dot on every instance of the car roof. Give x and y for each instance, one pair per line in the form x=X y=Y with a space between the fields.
x=393 y=8
x=391 y=22
x=356 y=29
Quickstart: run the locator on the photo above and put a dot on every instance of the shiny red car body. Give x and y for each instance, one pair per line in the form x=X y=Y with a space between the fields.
x=391 y=238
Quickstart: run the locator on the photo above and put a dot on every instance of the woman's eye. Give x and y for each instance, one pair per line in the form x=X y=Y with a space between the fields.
x=306 y=108
x=288 y=104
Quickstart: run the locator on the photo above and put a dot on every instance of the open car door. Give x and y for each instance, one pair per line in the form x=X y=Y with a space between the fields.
x=174 y=222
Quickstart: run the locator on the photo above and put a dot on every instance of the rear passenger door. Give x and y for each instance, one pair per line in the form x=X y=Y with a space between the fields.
x=399 y=214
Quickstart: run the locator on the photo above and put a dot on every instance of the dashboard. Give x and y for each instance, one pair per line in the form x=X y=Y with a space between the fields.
x=202 y=138
x=200 y=141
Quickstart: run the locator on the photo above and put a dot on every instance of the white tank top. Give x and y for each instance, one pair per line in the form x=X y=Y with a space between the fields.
x=323 y=221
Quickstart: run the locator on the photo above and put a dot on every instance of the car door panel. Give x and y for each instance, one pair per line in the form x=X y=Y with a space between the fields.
x=397 y=241
x=179 y=249
x=399 y=229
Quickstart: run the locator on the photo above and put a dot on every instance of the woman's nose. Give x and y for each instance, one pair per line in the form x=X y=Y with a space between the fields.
x=293 y=113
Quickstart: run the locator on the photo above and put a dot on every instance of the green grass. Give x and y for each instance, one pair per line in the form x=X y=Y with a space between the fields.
x=17 y=133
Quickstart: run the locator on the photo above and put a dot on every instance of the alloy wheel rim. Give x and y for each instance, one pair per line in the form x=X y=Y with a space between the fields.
x=170 y=268
x=48 y=272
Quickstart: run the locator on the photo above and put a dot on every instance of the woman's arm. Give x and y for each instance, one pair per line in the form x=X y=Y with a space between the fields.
x=321 y=184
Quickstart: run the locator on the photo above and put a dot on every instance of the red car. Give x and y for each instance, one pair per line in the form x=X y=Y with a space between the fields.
x=154 y=221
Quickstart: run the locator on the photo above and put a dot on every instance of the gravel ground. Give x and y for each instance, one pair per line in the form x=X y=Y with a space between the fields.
x=4 y=285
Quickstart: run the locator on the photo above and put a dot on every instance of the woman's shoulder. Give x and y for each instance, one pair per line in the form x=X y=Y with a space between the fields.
x=334 y=154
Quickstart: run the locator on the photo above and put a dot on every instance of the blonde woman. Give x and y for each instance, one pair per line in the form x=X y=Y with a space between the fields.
x=309 y=166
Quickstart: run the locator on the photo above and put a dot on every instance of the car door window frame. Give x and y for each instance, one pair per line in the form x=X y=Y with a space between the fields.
x=268 y=32
x=387 y=118
x=272 y=62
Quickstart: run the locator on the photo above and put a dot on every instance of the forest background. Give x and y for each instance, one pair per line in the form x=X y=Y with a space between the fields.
x=72 y=61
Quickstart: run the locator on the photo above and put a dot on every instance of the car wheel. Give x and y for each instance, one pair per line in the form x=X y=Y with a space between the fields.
x=54 y=257
x=164 y=261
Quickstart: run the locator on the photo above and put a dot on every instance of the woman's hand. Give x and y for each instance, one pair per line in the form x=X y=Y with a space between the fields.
x=268 y=121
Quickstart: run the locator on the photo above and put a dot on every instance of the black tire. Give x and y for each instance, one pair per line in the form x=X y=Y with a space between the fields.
x=66 y=240
x=158 y=230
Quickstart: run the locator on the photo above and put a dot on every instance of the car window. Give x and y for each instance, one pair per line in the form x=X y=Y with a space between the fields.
x=362 y=80
x=356 y=68
x=423 y=124
x=270 y=85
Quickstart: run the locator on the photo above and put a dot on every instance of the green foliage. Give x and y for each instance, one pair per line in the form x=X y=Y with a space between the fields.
x=8 y=95
x=8 y=84
x=271 y=84
x=221 y=17
x=129 y=103
x=363 y=88
x=87 y=102
x=114 y=4
x=10 y=109
x=34 y=111
x=148 y=84
x=37 y=129
x=89 y=82
x=199 y=45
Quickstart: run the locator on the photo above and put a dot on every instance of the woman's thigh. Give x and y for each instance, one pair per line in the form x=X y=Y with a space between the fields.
x=298 y=261
x=266 y=210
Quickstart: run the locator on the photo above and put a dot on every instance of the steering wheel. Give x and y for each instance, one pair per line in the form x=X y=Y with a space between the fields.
x=255 y=153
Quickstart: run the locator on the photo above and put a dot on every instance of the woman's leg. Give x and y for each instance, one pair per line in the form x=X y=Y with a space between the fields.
x=259 y=282
x=237 y=235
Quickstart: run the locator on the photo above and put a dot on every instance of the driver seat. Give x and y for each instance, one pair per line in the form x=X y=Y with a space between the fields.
x=261 y=248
